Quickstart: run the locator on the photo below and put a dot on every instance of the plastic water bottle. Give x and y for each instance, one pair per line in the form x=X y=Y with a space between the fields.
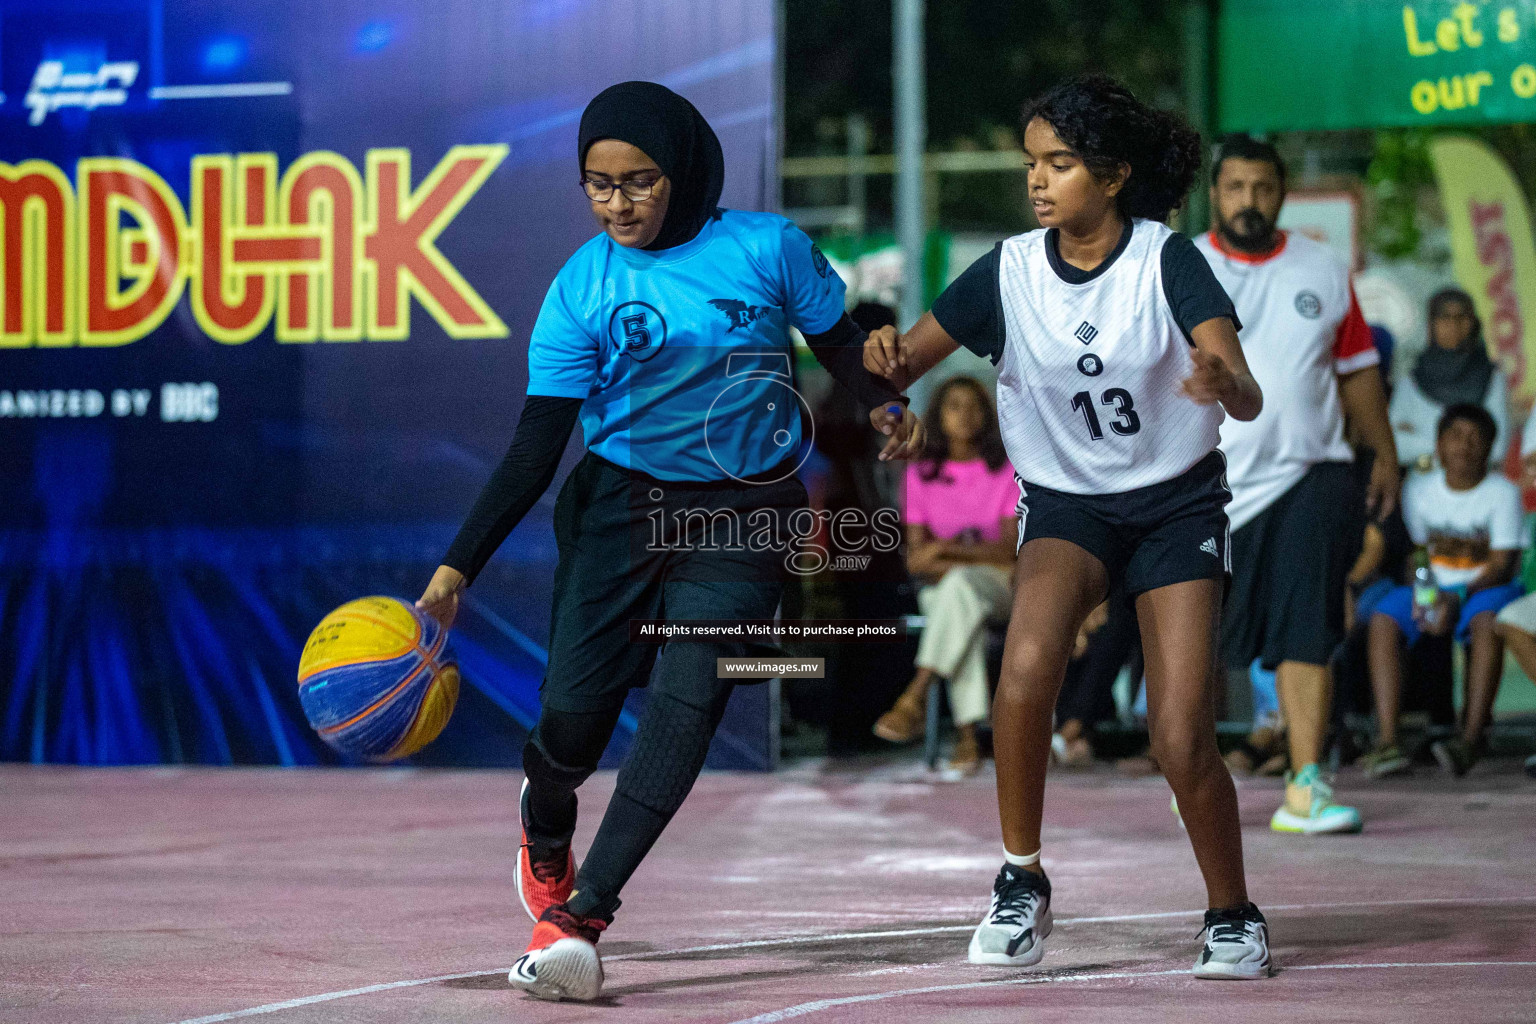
x=1426 y=595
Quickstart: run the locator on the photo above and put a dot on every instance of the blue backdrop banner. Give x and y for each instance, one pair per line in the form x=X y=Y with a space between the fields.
x=269 y=269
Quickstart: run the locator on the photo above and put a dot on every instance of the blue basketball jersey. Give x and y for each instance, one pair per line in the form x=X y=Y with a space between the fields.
x=682 y=356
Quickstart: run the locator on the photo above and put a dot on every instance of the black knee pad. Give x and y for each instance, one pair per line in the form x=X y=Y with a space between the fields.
x=667 y=755
x=565 y=747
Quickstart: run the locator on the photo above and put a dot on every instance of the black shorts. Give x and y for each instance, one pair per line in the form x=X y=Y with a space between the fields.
x=1289 y=567
x=1154 y=536
x=633 y=547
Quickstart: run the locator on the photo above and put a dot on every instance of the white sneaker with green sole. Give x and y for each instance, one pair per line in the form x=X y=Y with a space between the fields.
x=1307 y=787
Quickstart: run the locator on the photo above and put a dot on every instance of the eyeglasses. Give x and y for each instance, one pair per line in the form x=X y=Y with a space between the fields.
x=636 y=190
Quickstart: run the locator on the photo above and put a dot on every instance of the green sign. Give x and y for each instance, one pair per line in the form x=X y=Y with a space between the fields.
x=1321 y=64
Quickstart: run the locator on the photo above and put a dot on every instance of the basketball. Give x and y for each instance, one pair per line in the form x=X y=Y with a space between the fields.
x=376 y=679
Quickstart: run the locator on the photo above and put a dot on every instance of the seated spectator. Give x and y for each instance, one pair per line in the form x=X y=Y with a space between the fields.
x=841 y=473
x=1384 y=544
x=1469 y=522
x=1453 y=369
x=1516 y=624
x=1108 y=641
x=961 y=529
x=1386 y=563
x=1516 y=627
x=1263 y=750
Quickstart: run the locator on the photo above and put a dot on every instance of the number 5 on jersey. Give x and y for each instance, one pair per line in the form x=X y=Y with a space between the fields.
x=1126 y=422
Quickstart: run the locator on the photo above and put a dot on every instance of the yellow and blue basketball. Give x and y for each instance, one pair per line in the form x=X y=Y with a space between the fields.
x=376 y=679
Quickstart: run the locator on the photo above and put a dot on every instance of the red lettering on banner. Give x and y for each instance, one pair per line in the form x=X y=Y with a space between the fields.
x=324 y=189
x=36 y=244
x=1495 y=250
x=278 y=250
x=109 y=188
x=401 y=247
x=105 y=261
x=232 y=320
x=238 y=242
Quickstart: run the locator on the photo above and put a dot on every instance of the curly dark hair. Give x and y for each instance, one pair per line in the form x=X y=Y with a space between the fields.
x=989 y=443
x=1106 y=126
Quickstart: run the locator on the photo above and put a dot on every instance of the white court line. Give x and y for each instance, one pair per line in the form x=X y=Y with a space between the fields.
x=214 y=92
x=290 y=1004
x=774 y=1016
x=802 y=940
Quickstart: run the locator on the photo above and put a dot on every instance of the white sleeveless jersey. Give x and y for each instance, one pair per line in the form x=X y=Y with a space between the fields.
x=1088 y=390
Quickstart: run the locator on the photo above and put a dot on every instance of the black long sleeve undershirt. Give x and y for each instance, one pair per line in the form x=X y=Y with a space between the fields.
x=841 y=351
x=518 y=483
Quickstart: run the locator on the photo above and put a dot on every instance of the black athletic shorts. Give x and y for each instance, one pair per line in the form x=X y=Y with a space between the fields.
x=1289 y=567
x=1151 y=537
x=633 y=547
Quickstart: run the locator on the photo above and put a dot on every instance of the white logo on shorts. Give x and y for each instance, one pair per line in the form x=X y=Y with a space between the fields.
x=1209 y=547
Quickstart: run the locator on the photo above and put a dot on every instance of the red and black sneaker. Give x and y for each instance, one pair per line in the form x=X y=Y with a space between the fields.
x=545 y=876
x=561 y=961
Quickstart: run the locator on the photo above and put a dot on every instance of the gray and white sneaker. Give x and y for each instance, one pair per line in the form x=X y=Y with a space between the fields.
x=1014 y=930
x=1236 y=945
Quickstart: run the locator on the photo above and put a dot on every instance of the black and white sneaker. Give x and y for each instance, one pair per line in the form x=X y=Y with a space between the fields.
x=1236 y=945
x=1014 y=930
x=562 y=960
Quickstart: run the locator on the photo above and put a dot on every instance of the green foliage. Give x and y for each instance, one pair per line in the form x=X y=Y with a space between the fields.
x=1399 y=170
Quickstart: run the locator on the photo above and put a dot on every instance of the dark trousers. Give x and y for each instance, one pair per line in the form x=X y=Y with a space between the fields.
x=636 y=548
x=1088 y=694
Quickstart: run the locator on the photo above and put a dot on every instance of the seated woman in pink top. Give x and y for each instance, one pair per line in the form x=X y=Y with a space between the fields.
x=962 y=526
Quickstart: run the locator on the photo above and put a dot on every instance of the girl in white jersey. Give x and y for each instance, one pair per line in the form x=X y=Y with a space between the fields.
x=1117 y=353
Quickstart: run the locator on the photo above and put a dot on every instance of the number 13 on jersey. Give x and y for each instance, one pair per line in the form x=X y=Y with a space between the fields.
x=1126 y=421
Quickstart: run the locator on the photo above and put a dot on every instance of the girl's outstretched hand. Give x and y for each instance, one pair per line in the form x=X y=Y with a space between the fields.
x=905 y=436
x=1212 y=380
x=441 y=598
x=902 y=358
x=884 y=354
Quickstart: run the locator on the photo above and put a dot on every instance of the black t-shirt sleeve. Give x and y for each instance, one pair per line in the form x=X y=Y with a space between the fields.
x=971 y=309
x=1191 y=288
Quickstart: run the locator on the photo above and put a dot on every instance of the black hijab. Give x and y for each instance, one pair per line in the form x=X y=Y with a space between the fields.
x=1452 y=376
x=671 y=131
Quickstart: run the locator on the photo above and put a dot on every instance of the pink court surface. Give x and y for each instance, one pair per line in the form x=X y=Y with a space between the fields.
x=833 y=893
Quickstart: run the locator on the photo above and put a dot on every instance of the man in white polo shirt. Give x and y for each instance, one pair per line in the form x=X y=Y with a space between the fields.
x=1296 y=513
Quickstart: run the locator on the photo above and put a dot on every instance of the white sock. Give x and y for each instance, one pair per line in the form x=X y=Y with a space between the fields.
x=1021 y=860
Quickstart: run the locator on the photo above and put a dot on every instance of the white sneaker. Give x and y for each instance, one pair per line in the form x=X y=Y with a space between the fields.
x=1236 y=945
x=1013 y=932
x=561 y=961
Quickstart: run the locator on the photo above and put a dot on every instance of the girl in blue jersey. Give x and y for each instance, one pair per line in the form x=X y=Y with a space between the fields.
x=667 y=335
